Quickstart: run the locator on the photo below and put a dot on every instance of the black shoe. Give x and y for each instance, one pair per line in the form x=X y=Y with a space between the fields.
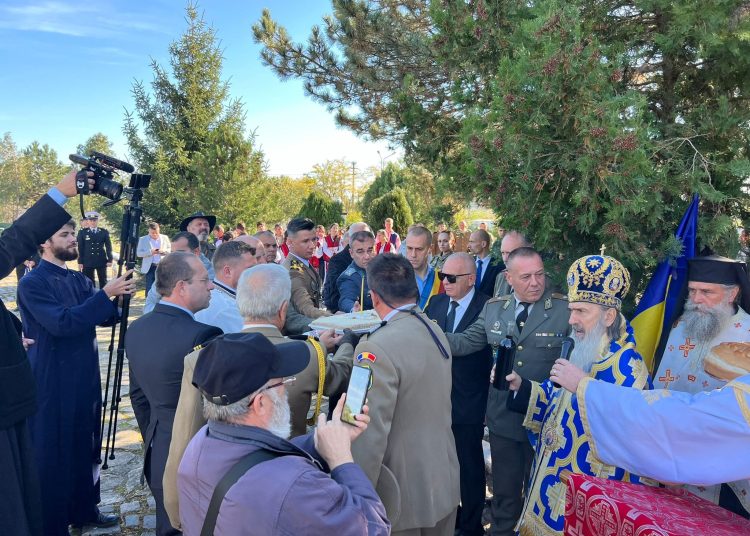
x=104 y=520
x=100 y=521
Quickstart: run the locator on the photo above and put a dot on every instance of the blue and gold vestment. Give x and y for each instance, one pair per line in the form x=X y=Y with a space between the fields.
x=560 y=442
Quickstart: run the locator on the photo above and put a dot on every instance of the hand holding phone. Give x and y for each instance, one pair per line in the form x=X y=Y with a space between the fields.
x=356 y=394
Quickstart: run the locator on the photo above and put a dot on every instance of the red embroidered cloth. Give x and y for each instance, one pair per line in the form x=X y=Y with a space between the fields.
x=597 y=507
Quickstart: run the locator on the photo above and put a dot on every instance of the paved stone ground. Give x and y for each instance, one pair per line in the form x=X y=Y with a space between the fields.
x=121 y=490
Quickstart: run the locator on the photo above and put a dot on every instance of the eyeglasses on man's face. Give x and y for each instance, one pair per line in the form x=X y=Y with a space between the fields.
x=288 y=381
x=450 y=277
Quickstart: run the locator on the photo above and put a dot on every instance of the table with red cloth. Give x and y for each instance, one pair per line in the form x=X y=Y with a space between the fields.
x=598 y=507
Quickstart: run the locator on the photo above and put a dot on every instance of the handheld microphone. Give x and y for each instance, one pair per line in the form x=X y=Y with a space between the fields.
x=567 y=346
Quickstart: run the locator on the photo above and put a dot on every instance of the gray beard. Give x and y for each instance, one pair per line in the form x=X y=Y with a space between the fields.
x=281 y=424
x=705 y=324
x=588 y=350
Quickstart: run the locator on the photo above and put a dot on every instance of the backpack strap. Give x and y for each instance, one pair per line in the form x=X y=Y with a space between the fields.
x=229 y=480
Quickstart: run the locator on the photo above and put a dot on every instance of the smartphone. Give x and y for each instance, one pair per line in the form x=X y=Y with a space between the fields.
x=356 y=393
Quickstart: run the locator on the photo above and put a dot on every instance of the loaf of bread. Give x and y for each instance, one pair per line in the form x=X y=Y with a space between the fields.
x=728 y=360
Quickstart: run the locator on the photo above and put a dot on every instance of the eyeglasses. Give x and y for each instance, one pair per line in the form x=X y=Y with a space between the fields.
x=450 y=277
x=288 y=381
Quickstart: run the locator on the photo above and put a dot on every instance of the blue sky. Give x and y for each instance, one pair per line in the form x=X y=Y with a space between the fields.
x=68 y=69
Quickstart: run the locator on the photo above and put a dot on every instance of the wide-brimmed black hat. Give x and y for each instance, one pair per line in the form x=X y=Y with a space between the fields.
x=194 y=215
x=235 y=365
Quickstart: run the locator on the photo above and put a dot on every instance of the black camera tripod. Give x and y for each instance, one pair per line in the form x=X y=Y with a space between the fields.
x=131 y=221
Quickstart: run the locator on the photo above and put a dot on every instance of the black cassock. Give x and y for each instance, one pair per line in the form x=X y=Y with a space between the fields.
x=19 y=489
x=60 y=310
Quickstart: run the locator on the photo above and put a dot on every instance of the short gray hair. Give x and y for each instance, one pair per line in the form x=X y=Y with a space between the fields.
x=229 y=413
x=262 y=290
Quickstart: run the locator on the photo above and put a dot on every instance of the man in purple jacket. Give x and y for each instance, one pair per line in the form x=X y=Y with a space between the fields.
x=311 y=487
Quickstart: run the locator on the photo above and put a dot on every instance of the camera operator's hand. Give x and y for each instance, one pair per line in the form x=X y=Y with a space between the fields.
x=333 y=439
x=121 y=285
x=67 y=185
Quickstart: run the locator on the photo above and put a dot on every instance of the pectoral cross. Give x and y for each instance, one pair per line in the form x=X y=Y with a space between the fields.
x=686 y=347
x=602 y=250
x=667 y=378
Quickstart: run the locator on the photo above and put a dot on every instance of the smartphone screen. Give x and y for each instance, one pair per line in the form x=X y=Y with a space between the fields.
x=356 y=393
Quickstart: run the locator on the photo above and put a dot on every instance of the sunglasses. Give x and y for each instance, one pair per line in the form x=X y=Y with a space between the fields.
x=450 y=277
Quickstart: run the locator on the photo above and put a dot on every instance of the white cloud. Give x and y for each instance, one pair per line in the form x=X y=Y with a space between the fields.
x=73 y=19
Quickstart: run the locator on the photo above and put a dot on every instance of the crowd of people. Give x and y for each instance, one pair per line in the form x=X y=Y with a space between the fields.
x=226 y=379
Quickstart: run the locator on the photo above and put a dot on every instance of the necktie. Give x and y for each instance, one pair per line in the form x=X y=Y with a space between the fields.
x=451 y=318
x=522 y=316
x=479 y=272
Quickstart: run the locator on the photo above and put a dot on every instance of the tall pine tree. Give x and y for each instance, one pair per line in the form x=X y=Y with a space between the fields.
x=193 y=137
x=582 y=123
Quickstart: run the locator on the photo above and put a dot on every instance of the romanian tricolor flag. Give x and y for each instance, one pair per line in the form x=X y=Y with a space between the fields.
x=659 y=300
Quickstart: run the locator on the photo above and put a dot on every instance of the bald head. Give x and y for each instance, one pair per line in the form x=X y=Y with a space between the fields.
x=511 y=242
x=460 y=268
x=357 y=227
x=256 y=244
x=459 y=263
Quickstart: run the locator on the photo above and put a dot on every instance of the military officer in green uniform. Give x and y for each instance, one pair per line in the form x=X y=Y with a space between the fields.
x=306 y=283
x=538 y=320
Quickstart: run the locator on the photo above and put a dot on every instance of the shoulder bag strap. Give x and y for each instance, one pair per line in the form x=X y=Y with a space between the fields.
x=229 y=480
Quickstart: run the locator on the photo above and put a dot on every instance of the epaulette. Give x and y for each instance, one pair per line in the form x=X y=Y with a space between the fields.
x=559 y=296
x=506 y=297
x=349 y=271
x=373 y=330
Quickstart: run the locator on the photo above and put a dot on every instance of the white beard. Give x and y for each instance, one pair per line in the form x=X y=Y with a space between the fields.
x=588 y=349
x=705 y=323
x=280 y=424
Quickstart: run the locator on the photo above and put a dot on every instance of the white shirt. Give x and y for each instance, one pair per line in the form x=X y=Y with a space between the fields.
x=463 y=304
x=155 y=244
x=222 y=310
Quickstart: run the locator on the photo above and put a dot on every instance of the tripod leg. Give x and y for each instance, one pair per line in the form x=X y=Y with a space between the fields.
x=116 y=395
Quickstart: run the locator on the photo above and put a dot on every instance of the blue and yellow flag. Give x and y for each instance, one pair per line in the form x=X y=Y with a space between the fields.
x=662 y=293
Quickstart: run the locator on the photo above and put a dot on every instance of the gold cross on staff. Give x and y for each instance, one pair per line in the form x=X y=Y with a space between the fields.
x=602 y=250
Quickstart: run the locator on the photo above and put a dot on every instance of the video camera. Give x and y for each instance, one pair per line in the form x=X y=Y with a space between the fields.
x=104 y=168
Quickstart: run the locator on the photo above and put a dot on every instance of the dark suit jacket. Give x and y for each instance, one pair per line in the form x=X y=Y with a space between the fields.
x=336 y=267
x=471 y=373
x=487 y=286
x=156 y=345
x=94 y=248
